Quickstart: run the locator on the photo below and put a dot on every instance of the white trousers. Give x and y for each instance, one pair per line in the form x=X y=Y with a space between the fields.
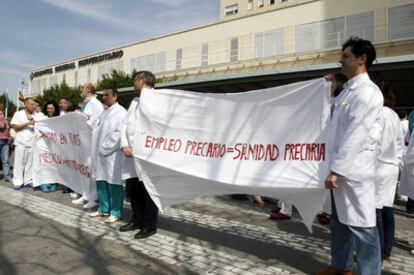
x=22 y=168
x=285 y=208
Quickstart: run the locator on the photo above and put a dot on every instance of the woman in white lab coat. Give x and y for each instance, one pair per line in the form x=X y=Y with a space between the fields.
x=107 y=158
x=390 y=155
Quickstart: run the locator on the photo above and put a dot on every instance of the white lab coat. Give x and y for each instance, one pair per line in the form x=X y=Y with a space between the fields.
x=106 y=139
x=407 y=172
x=93 y=109
x=354 y=137
x=390 y=156
x=127 y=139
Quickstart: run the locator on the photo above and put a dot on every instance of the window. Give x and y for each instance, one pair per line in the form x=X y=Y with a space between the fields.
x=271 y=2
x=109 y=67
x=250 y=4
x=76 y=79
x=89 y=75
x=260 y=3
x=331 y=33
x=361 y=25
x=152 y=62
x=204 y=55
x=281 y=1
x=230 y=10
x=401 y=22
x=234 y=49
x=269 y=43
x=306 y=37
x=53 y=80
x=178 y=59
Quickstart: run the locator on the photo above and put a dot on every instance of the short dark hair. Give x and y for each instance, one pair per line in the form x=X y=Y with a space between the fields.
x=114 y=90
x=359 y=47
x=56 y=113
x=388 y=93
x=147 y=76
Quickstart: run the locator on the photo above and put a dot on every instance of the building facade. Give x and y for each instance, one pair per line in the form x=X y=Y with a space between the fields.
x=251 y=35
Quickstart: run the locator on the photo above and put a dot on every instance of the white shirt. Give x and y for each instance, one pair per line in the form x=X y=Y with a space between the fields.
x=106 y=138
x=39 y=116
x=24 y=137
x=354 y=137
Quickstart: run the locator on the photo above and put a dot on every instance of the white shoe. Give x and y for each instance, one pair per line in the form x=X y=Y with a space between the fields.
x=90 y=204
x=98 y=214
x=112 y=219
x=78 y=201
x=74 y=195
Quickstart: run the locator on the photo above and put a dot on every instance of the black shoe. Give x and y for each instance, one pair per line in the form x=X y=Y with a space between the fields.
x=128 y=227
x=145 y=233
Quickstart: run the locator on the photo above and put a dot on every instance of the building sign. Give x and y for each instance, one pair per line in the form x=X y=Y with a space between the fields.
x=40 y=73
x=100 y=58
x=64 y=67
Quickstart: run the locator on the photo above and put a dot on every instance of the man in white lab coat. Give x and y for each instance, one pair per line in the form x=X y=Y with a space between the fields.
x=354 y=138
x=108 y=158
x=23 y=122
x=144 y=210
x=92 y=108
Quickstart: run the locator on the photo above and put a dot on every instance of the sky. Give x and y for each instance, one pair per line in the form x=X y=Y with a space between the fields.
x=35 y=33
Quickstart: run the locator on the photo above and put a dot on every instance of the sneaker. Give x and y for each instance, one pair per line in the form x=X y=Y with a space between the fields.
x=74 y=195
x=17 y=187
x=44 y=188
x=112 y=219
x=78 y=201
x=98 y=214
x=90 y=205
x=29 y=185
x=279 y=216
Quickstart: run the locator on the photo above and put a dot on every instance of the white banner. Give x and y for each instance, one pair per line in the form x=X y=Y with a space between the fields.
x=270 y=142
x=61 y=153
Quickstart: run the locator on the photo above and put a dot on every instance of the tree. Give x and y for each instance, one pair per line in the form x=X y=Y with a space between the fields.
x=11 y=108
x=116 y=79
x=58 y=91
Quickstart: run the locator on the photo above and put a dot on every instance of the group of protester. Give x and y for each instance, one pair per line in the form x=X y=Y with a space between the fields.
x=366 y=145
x=111 y=151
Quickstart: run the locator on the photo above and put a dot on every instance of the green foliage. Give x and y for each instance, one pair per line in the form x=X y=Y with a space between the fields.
x=12 y=107
x=58 y=91
x=116 y=79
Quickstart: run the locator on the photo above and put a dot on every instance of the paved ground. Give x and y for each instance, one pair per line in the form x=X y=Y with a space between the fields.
x=45 y=234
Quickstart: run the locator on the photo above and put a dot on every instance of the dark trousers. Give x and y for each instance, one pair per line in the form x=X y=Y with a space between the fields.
x=144 y=210
x=386 y=230
x=410 y=206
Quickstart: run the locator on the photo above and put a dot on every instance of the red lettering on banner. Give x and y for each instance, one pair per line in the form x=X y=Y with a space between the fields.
x=52 y=136
x=55 y=159
x=74 y=139
x=266 y=152
x=166 y=144
x=63 y=139
x=305 y=151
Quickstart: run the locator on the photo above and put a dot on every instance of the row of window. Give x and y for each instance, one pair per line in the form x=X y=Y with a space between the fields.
x=234 y=9
x=320 y=35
